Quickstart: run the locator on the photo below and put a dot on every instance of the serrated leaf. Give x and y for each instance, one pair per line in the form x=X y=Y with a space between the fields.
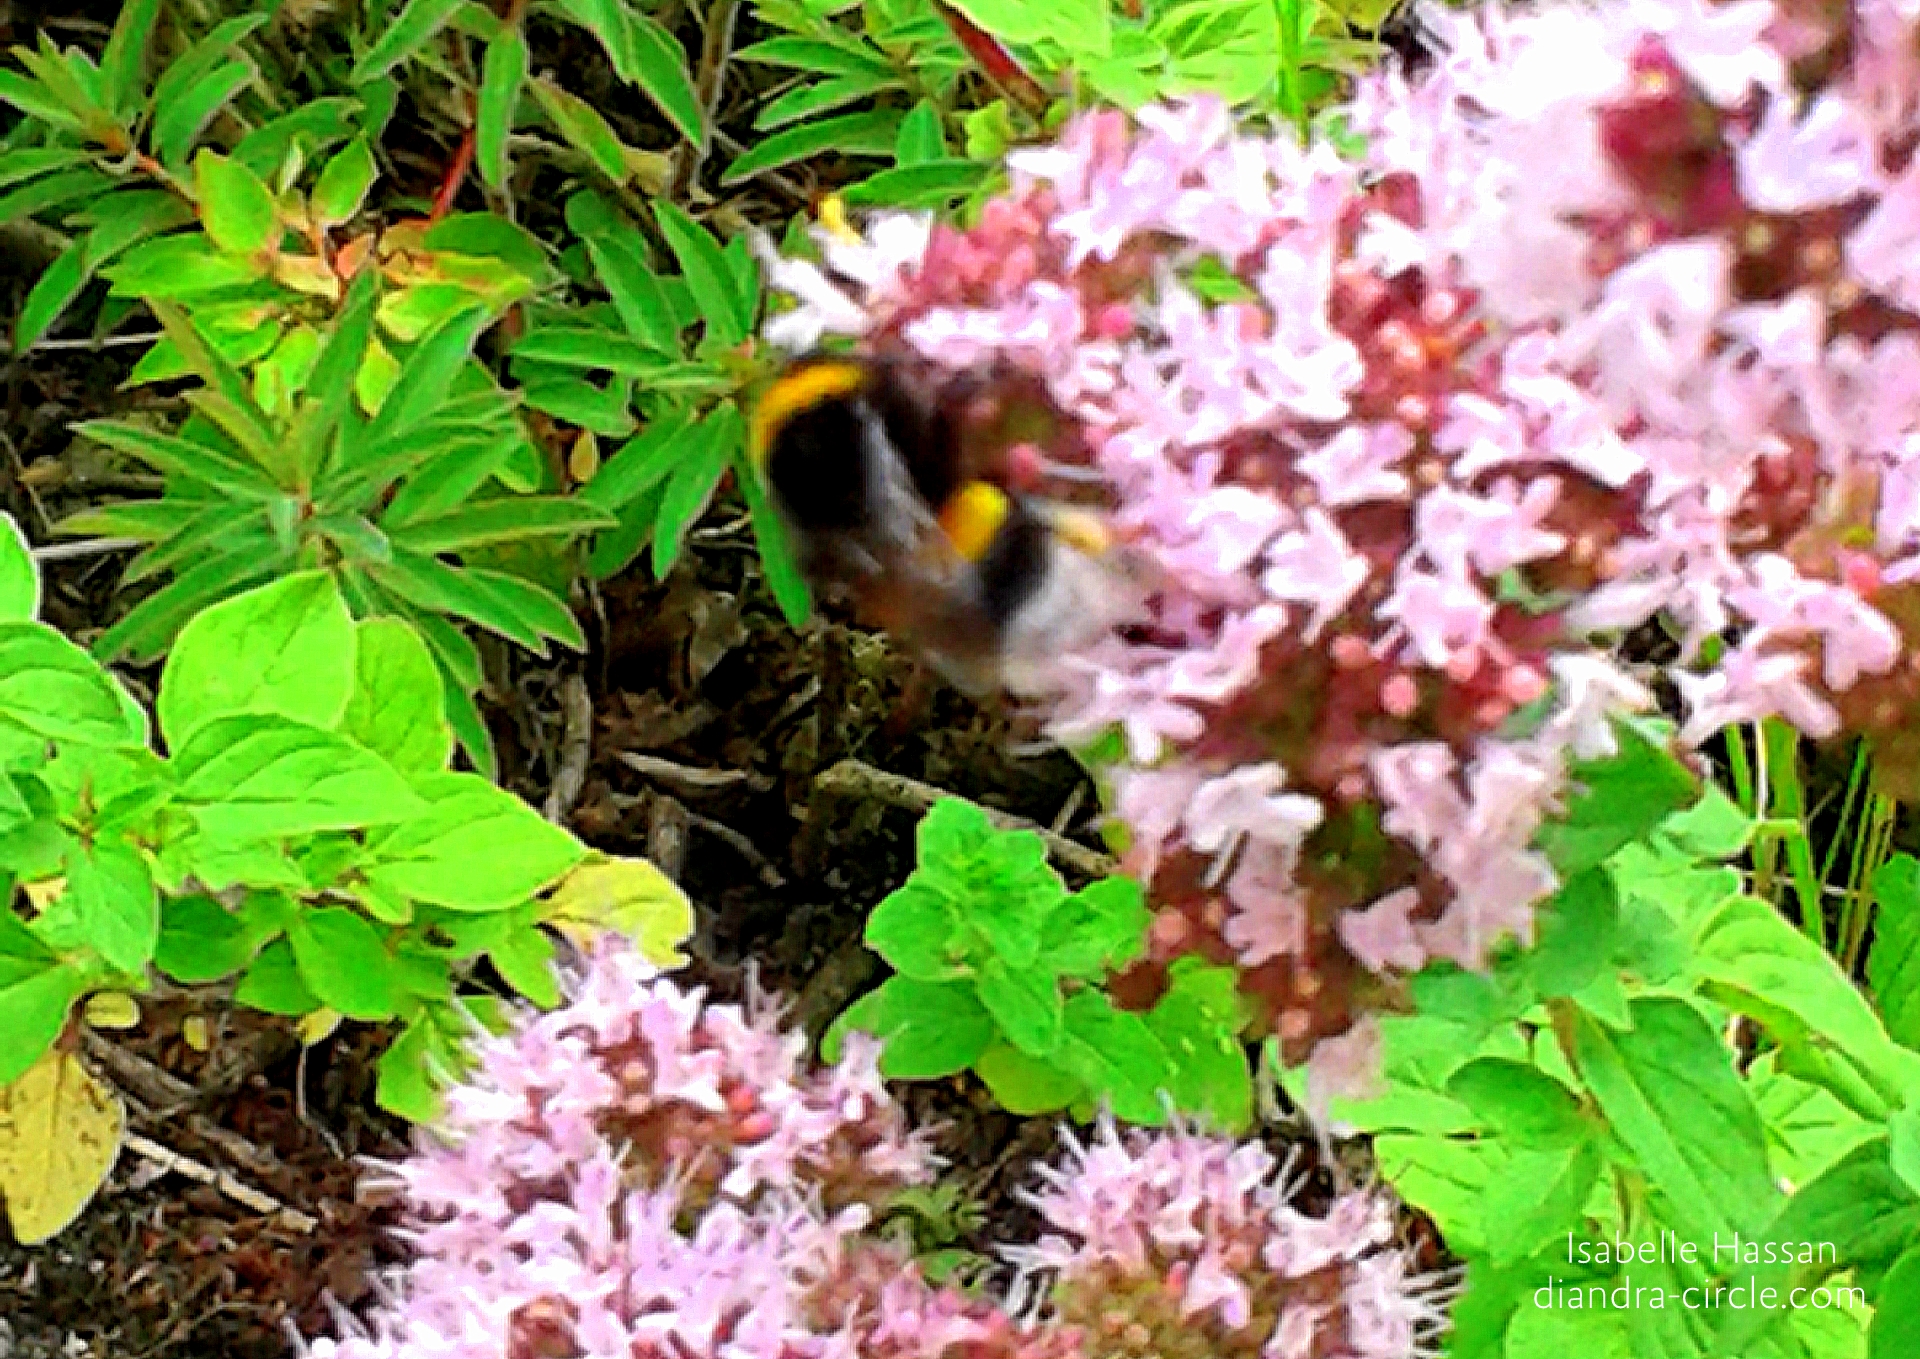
x=476 y=848
x=259 y=775
x=285 y=648
x=411 y=30
x=1100 y=928
x=19 y=577
x=503 y=75
x=60 y=1132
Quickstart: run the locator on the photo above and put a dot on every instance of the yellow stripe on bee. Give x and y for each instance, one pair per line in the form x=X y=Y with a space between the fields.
x=800 y=388
x=973 y=517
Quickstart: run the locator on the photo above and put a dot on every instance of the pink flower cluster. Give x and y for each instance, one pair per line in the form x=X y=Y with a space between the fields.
x=643 y=1175
x=1173 y=1245
x=1615 y=318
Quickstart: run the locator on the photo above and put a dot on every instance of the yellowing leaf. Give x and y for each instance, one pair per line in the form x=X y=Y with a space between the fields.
x=583 y=459
x=59 y=1136
x=112 y=1010
x=318 y=1026
x=628 y=895
x=44 y=893
x=193 y=1032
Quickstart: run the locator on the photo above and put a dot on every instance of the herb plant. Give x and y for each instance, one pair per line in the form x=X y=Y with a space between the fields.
x=1000 y=970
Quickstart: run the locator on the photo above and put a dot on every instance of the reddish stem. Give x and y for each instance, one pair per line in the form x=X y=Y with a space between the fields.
x=455 y=176
x=996 y=61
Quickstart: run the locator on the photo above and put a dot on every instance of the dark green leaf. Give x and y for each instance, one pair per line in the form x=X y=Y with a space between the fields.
x=1896 y=1309
x=52 y=191
x=1100 y=928
x=658 y=65
x=152 y=623
x=619 y=257
x=710 y=450
x=123 y=64
x=34 y=1000
x=921 y=138
x=584 y=129
x=502 y=77
x=1575 y=933
x=182 y=113
x=823 y=96
x=930 y=184
x=704 y=266
x=201 y=940
x=777 y=560
x=52 y=294
x=1893 y=964
x=852 y=134
x=643 y=462
x=591 y=348
x=344 y=183
x=509 y=519
x=425 y=377
x=825 y=55
x=1626 y=796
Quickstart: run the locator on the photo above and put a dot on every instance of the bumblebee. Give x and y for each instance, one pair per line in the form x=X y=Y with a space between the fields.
x=892 y=497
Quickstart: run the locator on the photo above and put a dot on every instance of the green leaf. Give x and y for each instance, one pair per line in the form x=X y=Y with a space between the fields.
x=620 y=259
x=1669 y=1092
x=342 y=188
x=113 y=894
x=590 y=348
x=921 y=137
x=822 y=96
x=915 y=928
x=777 y=559
x=1026 y=1086
x=728 y=317
x=1540 y=1199
x=201 y=940
x=344 y=963
x=1198 y=1023
x=397 y=708
x=1520 y=1102
x=1627 y=795
x=509 y=519
x=1082 y=27
x=524 y=960
x=1116 y=1054
x=584 y=129
x=35 y=995
x=19 y=577
x=284 y=648
x=997 y=882
x=147 y=628
x=178 y=266
x=1025 y=1003
x=829 y=54
x=643 y=462
x=853 y=134
x=182 y=113
x=196 y=459
x=1575 y=933
x=273 y=983
x=503 y=75
x=50 y=192
x=477 y=848
x=30 y=162
x=1893 y=963
x=424 y=379
x=1896 y=1309
x=236 y=208
x=122 y=65
x=930 y=184
x=709 y=451
x=410 y=31
x=55 y=690
x=404 y=1085
x=658 y=65
x=258 y=775
x=52 y=293
x=930 y=1029
x=1100 y=928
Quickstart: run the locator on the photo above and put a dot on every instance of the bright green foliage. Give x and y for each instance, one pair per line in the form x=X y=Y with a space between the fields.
x=301 y=834
x=1583 y=1097
x=999 y=972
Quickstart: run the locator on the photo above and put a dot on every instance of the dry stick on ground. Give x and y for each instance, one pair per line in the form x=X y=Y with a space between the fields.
x=857 y=779
x=576 y=749
x=244 y=1195
x=166 y=1093
x=687 y=779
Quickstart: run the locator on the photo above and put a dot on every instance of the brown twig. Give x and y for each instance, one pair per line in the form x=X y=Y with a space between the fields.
x=690 y=780
x=576 y=749
x=857 y=779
